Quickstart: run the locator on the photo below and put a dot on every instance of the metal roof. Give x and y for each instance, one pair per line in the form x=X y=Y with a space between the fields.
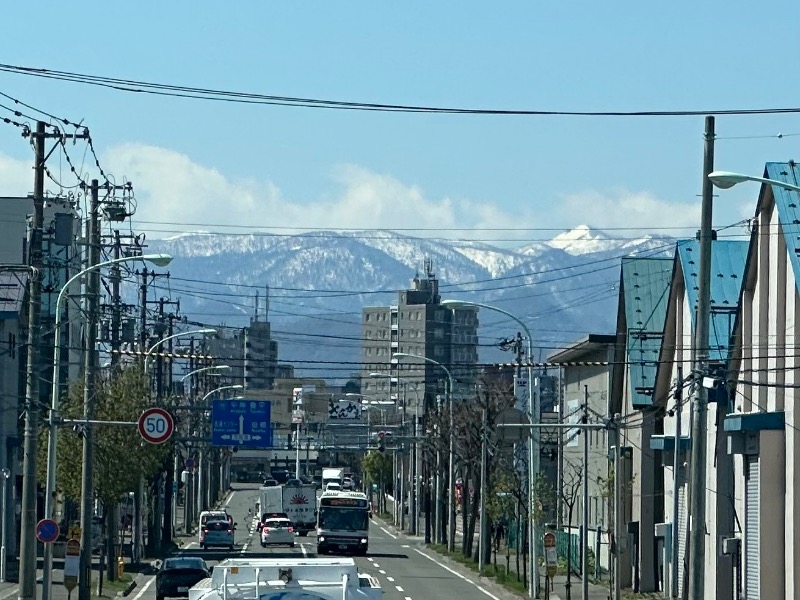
x=728 y=260
x=587 y=345
x=645 y=291
x=787 y=203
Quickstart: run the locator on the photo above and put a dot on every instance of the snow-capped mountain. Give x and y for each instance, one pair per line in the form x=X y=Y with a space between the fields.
x=318 y=283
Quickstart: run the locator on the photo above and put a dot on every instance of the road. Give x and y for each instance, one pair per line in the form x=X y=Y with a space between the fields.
x=405 y=569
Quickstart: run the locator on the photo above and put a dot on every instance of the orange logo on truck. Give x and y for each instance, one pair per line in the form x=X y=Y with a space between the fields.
x=298 y=499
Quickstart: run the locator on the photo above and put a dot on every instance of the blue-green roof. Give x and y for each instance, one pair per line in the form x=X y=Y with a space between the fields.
x=728 y=259
x=787 y=203
x=645 y=289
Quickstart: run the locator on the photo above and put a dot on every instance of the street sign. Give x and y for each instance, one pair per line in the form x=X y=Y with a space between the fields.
x=550 y=554
x=156 y=425
x=72 y=564
x=47 y=531
x=241 y=423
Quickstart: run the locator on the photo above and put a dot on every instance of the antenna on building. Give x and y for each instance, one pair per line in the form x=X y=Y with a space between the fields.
x=266 y=304
x=255 y=314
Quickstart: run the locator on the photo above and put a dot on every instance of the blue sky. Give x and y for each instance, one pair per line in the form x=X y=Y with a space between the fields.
x=219 y=164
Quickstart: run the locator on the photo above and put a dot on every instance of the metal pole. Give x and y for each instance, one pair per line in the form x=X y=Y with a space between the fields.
x=451 y=481
x=533 y=471
x=27 y=555
x=4 y=475
x=676 y=485
x=618 y=512
x=297 y=453
x=89 y=369
x=697 y=511
x=482 y=515
x=417 y=489
x=585 y=525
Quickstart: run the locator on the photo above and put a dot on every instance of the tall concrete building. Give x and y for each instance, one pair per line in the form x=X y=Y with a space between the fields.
x=419 y=325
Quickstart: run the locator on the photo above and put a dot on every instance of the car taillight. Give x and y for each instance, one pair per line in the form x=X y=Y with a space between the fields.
x=266 y=529
x=205 y=530
x=291 y=529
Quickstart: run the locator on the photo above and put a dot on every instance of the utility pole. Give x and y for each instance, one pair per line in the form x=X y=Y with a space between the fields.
x=27 y=558
x=697 y=512
x=482 y=523
x=90 y=353
x=676 y=485
x=618 y=511
x=143 y=313
x=585 y=507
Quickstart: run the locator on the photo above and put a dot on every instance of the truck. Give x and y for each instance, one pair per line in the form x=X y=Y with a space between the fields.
x=270 y=500
x=332 y=475
x=300 y=505
x=248 y=578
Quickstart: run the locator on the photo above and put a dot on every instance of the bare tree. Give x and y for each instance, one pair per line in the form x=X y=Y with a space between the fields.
x=570 y=489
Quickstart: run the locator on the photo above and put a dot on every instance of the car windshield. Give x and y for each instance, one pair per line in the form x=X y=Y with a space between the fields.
x=347 y=519
x=183 y=563
x=218 y=526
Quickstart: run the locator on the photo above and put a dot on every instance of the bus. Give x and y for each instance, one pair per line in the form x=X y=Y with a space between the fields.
x=343 y=523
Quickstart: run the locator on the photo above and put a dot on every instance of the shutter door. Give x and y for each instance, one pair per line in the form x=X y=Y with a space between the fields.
x=752 y=537
x=681 y=537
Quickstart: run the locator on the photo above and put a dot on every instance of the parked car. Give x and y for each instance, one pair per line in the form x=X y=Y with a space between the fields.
x=217 y=533
x=271 y=482
x=277 y=532
x=178 y=574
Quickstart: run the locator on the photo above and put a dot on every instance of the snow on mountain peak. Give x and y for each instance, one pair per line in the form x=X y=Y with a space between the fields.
x=582 y=240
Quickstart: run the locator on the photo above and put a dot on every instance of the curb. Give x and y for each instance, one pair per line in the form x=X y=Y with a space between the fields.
x=128 y=589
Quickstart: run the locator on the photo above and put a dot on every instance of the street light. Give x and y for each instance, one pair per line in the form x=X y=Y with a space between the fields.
x=204 y=369
x=725 y=180
x=204 y=331
x=412 y=468
x=159 y=260
x=451 y=501
x=236 y=386
x=533 y=449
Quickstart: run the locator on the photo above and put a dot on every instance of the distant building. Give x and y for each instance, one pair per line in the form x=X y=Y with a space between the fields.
x=421 y=326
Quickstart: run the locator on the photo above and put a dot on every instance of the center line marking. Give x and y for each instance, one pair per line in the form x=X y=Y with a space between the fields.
x=381 y=571
x=144 y=589
x=390 y=534
x=390 y=579
x=399 y=589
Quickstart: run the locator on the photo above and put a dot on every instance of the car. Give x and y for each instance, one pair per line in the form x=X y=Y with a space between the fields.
x=178 y=574
x=333 y=487
x=277 y=532
x=271 y=515
x=348 y=484
x=291 y=482
x=217 y=533
x=271 y=482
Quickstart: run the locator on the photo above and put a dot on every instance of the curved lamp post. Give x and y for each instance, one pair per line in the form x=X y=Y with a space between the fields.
x=533 y=447
x=726 y=179
x=159 y=260
x=204 y=331
x=236 y=386
x=451 y=501
x=205 y=369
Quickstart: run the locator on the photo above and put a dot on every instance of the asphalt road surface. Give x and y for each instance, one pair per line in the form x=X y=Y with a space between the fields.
x=405 y=570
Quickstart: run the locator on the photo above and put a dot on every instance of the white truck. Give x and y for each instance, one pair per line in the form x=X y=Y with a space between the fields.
x=333 y=475
x=270 y=500
x=287 y=578
x=300 y=505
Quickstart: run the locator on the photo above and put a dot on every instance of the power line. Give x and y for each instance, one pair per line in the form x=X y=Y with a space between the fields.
x=209 y=94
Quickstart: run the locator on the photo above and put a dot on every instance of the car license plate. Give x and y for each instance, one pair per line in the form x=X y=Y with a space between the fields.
x=183 y=589
x=342 y=546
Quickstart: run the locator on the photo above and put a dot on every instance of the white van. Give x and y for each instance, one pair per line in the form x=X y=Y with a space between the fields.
x=213 y=515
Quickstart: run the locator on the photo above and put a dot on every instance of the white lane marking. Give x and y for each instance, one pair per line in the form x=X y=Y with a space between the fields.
x=390 y=579
x=387 y=532
x=303 y=548
x=370 y=559
x=399 y=589
x=408 y=598
x=381 y=571
x=377 y=566
x=144 y=588
x=10 y=593
x=228 y=499
x=456 y=573
x=405 y=546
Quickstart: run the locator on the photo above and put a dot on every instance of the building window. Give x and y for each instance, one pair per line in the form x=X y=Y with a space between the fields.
x=366 y=317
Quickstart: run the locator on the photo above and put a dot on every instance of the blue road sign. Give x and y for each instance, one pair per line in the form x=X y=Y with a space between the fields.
x=47 y=531
x=241 y=423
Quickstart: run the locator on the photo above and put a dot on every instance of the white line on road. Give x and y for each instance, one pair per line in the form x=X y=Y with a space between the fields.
x=370 y=559
x=390 y=579
x=399 y=589
x=144 y=588
x=303 y=548
x=381 y=571
x=377 y=566
x=456 y=573
x=228 y=499
x=405 y=546
x=408 y=598
x=387 y=532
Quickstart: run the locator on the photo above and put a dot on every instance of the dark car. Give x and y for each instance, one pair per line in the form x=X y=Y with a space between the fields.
x=271 y=482
x=291 y=482
x=178 y=574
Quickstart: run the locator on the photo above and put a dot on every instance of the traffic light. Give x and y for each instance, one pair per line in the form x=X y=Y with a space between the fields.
x=381 y=441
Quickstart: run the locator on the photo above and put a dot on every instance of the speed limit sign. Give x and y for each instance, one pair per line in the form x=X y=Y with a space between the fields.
x=156 y=425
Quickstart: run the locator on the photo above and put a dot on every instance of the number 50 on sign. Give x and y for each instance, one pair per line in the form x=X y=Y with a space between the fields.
x=156 y=425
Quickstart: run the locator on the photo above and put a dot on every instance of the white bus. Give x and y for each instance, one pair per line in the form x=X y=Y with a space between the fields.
x=343 y=523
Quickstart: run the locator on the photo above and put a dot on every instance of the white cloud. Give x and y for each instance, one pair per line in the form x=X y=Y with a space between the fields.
x=624 y=208
x=171 y=188
x=16 y=176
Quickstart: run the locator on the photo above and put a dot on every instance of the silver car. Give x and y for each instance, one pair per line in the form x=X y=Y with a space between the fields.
x=217 y=533
x=277 y=532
